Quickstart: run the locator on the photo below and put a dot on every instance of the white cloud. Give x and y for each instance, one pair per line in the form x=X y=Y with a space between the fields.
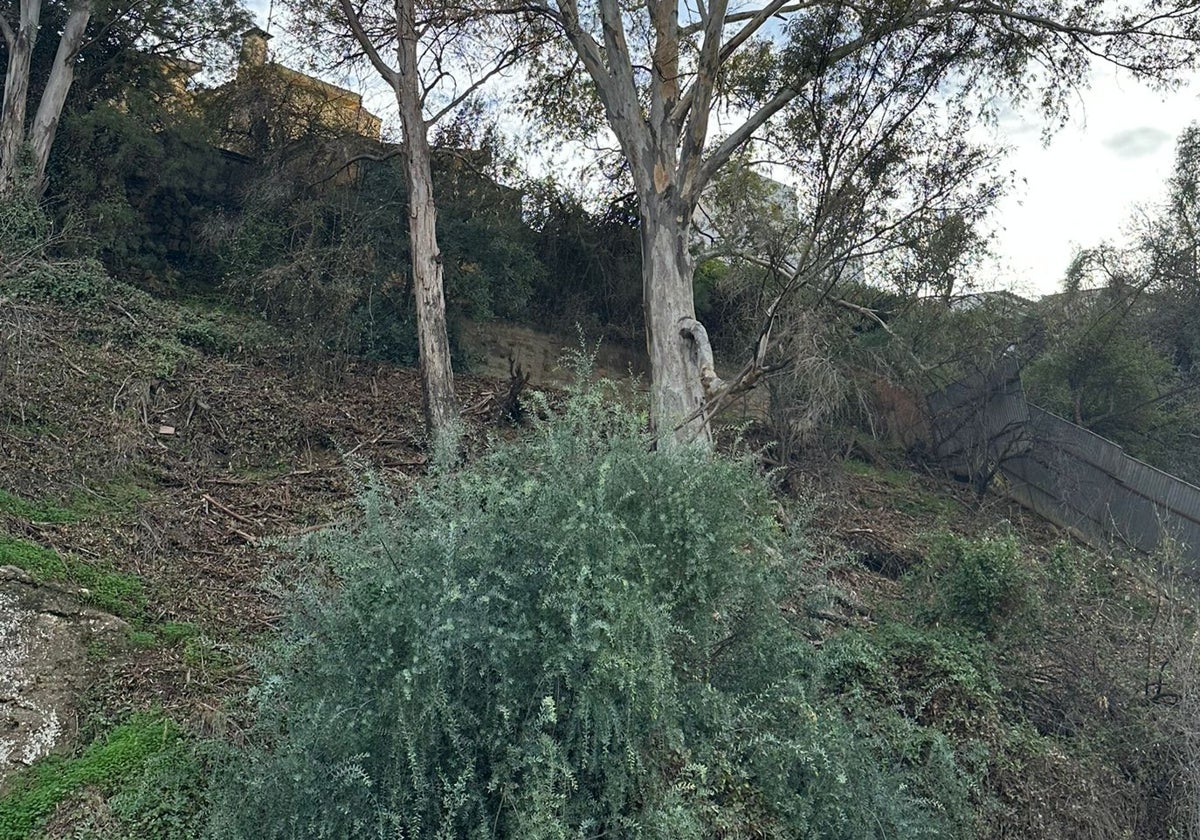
x=1080 y=189
x=1137 y=142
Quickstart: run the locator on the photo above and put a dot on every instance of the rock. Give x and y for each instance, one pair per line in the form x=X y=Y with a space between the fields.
x=45 y=635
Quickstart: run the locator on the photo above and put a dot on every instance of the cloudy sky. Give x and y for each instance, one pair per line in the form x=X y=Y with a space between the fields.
x=1077 y=190
x=1116 y=152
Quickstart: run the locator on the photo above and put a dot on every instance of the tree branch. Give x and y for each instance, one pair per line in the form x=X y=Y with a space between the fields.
x=506 y=60
x=700 y=96
x=693 y=329
x=618 y=93
x=364 y=40
x=346 y=164
x=746 y=130
x=750 y=14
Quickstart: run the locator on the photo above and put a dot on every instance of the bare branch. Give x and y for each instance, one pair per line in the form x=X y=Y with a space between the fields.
x=750 y=14
x=505 y=61
x=346 y=164
x=364 y=40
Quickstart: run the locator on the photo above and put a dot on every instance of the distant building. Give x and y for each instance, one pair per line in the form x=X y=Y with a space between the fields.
x=269 y=107
x=744 y=208
x=1075 y=303
x=1000 y=300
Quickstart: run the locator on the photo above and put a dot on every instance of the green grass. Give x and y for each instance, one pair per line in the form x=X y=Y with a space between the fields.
x=174 y=632
x=904 y=492
x=107 y=764
x=35 y=510
x=113 y=498
x=116 y=592
x=116 y=497
x=167 y=634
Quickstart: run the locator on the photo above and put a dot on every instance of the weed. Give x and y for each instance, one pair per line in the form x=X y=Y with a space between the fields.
x=174 y=632
x=35 y=510
x=897 y=479
x=206 y=656
x=114 y=498
x=105 y=764
x=143 y=639
x=98 y=651
x=975 y=584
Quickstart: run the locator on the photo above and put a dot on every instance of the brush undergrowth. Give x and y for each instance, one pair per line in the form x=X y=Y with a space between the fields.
x=575 y=637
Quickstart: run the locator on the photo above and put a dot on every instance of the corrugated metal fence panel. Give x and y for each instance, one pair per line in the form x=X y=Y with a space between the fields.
x=1069 y=475
x=981 y=411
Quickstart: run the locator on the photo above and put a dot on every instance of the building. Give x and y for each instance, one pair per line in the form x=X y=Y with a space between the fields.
x=272 y=109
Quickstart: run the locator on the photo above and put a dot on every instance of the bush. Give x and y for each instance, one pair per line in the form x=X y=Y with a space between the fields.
x=574 y=638
x=978 y=584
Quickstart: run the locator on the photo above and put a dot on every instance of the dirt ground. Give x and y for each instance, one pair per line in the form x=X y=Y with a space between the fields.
x=195 y=474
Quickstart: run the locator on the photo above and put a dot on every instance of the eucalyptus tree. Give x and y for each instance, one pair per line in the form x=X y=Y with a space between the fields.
x=92 y=36
x=20 y=39
x=435 y=58
x=685 y=85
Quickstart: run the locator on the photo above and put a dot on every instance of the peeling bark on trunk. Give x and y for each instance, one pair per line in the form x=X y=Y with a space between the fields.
x=677 y=394
x=20 y=46
x=437 y=376
x=62 y=74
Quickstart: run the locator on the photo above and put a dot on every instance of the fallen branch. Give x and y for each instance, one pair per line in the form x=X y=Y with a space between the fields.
x=227 y=510
x=378 y=437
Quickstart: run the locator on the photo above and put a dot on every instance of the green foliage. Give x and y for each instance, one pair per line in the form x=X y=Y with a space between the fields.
x=1105 y=377
x=115 y=592
x=935 y=678
x=977 y=584
x=593 y=265
x=167 y=799
x=106 y=764
x=330 y=263
x=140 y=179
x=30 y=268
x=25 y=231
x=574 y=637
x=77 y=283
x=175 y=632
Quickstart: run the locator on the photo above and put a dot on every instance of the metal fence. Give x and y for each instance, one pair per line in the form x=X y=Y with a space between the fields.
x=1070 y=476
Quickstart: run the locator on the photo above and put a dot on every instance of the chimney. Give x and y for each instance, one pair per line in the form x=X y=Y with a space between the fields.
x=254 y=48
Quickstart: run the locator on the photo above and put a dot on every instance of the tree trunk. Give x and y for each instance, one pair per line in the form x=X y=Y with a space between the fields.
x=62 y=74
x=16 y=90
x=677 y=396
x=437 y=376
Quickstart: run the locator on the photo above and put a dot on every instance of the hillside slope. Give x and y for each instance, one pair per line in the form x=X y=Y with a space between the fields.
x=157 y=458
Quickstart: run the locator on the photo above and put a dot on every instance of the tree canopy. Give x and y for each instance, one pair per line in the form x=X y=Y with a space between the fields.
x=685 y=87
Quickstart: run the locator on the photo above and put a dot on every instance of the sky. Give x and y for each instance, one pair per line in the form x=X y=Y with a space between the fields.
x=1081 y=189
x=1077 y=189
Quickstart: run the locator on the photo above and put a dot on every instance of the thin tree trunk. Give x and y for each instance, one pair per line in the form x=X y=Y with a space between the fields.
x=677 y=396
x=437 y=376
x=62 y=74
x=16 y=90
